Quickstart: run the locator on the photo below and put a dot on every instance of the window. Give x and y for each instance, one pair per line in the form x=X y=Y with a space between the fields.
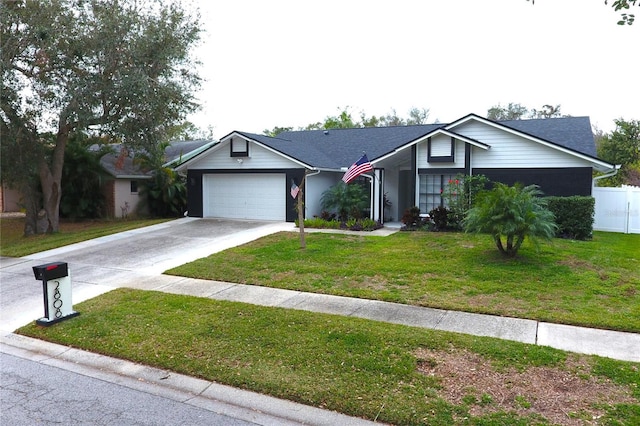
x=431 y=187
x=441 y=150
x=239 y=147
x=134 y=186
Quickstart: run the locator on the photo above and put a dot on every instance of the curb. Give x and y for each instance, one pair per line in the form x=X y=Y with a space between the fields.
x=222 y=399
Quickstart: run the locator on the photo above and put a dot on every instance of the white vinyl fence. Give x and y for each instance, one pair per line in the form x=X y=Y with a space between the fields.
x=617 y=209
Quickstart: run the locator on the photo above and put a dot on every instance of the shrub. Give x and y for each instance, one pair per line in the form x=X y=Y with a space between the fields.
x=440 y=217
x=325 y=215
x=459 y=196
x=365 y=224
x=352 y=224
x=574 y=216
x=369 y=224
x=413 y=221
x=511 y=213
x=320 y=223
x=411 y=216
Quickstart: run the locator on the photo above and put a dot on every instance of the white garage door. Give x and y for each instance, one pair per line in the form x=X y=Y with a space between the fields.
x=244 y=196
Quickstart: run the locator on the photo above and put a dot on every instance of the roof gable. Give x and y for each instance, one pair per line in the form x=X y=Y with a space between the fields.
x=573 y=133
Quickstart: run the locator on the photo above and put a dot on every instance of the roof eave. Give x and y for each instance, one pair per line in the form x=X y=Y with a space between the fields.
x=605 y=167
x=138 y=177
x=189 y=155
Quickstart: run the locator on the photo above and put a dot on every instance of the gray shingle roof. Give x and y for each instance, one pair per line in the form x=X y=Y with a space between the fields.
x=336 y=148
x=123 y=168
x=570 y=132
x=177 y=150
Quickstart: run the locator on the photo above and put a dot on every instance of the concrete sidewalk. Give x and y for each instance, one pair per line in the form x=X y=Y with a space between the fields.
x=612 y=344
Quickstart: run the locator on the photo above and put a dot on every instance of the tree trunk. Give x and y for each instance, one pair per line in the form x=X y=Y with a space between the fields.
x=51 y=181
x=31 y=203
x=519 y=241
x=50 y=200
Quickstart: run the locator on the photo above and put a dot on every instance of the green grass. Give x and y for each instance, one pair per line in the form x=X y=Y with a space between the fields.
x=354 y=366
x=13 y=243
x=589 y=283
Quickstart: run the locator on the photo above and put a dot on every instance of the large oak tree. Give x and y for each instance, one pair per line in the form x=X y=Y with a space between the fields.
x=120 y=68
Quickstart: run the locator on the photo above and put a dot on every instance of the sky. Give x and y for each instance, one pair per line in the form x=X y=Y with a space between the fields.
x=295 y=62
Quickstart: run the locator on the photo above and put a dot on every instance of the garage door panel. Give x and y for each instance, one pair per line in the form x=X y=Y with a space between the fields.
x=245 y=196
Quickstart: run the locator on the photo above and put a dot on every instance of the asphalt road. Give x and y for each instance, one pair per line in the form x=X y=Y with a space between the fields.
x=33 y=393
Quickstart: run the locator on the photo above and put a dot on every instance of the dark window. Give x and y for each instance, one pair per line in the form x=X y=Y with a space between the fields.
x=134 y=186
x=239 y=147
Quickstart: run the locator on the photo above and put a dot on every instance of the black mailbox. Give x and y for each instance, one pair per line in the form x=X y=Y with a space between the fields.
x=51 y=271
x=56 y=290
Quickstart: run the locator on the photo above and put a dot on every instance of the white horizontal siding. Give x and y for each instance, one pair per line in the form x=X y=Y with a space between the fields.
x=510 y=150
x=314 y=187
x=259 y=158
x=421 y=152
x=441 y=146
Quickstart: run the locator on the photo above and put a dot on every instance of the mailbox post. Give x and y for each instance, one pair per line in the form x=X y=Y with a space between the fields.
x=56 y=288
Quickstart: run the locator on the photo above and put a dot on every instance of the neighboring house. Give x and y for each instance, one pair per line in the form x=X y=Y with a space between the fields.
x=122 y=190
x=10 y=199
x=248 y=176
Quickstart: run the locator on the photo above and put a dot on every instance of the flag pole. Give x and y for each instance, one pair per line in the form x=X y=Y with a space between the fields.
x=303 y=243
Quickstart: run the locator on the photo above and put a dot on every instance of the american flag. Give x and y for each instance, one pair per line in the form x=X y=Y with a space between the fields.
x=359 y=167
x=294 y=190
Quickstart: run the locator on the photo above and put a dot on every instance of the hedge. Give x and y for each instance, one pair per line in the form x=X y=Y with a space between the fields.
x=574 y=216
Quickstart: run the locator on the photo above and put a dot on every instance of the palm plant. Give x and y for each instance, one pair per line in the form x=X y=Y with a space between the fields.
x=346 y=200
x=511 y=213
x=165 y=194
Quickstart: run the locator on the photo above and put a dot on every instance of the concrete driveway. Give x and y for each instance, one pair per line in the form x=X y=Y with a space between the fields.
x=134 y=258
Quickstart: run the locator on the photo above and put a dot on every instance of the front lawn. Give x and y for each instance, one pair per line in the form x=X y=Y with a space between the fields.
x=13 y=243
x=590 y=283
x=385 y=372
